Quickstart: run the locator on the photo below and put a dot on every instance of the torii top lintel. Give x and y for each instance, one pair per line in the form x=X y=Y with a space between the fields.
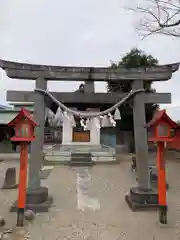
x=31 y=71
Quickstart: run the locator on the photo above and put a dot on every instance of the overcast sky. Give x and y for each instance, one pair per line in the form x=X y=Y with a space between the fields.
x=81 y=32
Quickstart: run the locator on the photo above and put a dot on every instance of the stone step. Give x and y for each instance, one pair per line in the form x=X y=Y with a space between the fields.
x=85 y=148
x=68 y=153
x=103 y=159
x=80 y=146
x=58 y=153
x=103 y=154
x=78 y=155
x=80 y=163
x=68 y=159
x=57 y=158
x=81 y=157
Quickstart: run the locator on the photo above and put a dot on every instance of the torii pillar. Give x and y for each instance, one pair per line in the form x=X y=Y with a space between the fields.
x=140 y=135
x=37 y=196
x=142 y=196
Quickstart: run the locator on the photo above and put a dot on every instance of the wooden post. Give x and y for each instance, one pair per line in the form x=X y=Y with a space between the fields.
x=22 y=183
x=161 y=183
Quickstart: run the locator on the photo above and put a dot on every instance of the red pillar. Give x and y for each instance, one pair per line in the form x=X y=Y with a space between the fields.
x=22 y=183
x=161 y=183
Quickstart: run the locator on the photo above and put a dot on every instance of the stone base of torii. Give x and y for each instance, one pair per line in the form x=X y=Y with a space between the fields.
x=139 y=197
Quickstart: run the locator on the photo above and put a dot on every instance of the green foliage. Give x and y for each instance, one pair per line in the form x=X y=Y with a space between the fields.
x=137 y=58
x=133 y=59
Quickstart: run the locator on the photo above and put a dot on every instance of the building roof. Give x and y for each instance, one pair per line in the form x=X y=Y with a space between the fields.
x=8 y=115
x=18 y=105
x=2 y=106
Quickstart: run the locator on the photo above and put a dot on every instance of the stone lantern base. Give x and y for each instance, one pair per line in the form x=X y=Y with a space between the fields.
x=37 y=200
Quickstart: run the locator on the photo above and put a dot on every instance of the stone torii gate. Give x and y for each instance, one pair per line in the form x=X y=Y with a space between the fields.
x=37 y=195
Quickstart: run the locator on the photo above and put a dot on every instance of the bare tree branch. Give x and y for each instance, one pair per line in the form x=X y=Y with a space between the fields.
x=158 y=17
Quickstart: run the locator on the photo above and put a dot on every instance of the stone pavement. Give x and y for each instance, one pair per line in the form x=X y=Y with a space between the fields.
x=89 y=204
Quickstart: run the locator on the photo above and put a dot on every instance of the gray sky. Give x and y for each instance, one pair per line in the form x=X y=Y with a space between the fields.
x=81 y=32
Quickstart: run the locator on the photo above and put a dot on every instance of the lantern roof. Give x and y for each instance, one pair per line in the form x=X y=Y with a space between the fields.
x=160 y=116
x=24 y=113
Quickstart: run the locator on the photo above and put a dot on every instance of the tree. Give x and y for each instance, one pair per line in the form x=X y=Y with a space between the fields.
x=133 y=59
x=159 y=17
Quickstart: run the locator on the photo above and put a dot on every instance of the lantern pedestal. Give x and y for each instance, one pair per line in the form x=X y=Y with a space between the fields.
x=139 y=199
x=37 y=200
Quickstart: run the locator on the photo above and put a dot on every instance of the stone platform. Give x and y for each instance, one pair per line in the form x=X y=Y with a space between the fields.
x=65 y=154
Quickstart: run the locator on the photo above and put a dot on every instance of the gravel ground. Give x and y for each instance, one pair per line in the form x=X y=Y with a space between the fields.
x=111 y=220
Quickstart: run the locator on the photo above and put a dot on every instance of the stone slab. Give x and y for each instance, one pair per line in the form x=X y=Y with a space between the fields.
x=145 y=197
x=37 y=208
x=103 y=154
x=103 y=159
x=57 y=158
x=8 y=187
x=81 y=164
x=58 y=153
x=135 y=206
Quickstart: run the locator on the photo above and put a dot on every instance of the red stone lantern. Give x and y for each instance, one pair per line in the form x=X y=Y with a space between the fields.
x=24 y=133
x=162 y=127
x=162 y=130
x=24 y=126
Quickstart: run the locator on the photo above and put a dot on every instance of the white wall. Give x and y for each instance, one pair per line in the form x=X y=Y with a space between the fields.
x=68 y=131
x=94 y=131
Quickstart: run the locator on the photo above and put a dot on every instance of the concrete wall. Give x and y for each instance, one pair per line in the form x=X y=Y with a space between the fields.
x=6 y=147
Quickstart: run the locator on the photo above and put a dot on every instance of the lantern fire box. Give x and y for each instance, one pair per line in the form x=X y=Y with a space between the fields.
x=162 y=127
x=24 y=126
